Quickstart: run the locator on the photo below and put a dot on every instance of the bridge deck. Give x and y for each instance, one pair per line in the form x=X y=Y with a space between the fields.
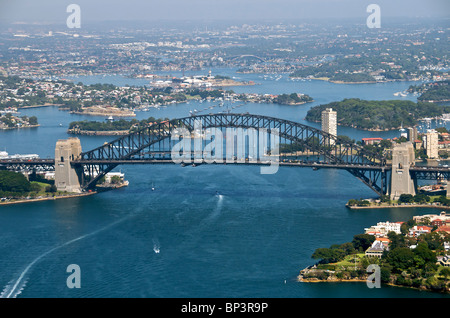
x=51 y=161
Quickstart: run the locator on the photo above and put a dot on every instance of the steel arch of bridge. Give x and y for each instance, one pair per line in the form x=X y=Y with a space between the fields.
x=237 y=57
x=140 y=146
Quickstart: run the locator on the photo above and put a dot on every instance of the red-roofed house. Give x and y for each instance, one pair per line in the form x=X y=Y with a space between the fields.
x=419 y=229
x=417 y=143
x=383 y=240
x=444 y=144
x=445 y=136
x=444 y=228
x=438 y=222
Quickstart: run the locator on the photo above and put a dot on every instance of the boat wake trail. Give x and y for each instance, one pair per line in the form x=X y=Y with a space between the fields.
x=15 y=287
x=218 y=208
x=156 y=246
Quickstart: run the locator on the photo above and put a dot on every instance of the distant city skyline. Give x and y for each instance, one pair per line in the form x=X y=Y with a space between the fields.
x=52 y=11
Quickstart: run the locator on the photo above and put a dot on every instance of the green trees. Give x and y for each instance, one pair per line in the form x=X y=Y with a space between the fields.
x=437 y=91
x=120 y=124
x=406 y=198
x=401 y=259
x=115 y=180
x=362 y=242
x=424 y=255
x=51 y=189
x=445 y=272
x=32 y=120
x=421 y=198
x=405 y=259
x=337 y=252
x=435 y=240
x=13 y=182
x=329 y=255
x=352 y=78
x=396 y=240
x=16 y=185
x=292 y=99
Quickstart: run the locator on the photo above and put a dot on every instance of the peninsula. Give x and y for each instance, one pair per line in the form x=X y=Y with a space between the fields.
x=376 y=115
x=433 y=92
x=9 y=121
x=111 y=128
x=411 y=254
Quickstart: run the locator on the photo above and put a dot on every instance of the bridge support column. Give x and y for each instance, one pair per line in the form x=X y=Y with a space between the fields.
x=67 y=178
x=401 y=182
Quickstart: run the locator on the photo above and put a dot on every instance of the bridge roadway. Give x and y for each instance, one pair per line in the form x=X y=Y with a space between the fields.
x=294 y=163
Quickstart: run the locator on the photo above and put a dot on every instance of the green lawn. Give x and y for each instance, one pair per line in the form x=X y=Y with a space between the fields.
x=42 y=187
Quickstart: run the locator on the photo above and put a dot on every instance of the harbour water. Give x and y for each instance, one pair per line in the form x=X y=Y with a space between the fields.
x=207 y=231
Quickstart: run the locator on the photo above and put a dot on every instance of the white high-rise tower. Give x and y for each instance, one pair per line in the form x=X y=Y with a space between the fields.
x=329 y=122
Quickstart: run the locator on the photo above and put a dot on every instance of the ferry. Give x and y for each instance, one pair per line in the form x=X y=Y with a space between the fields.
x=5 y=155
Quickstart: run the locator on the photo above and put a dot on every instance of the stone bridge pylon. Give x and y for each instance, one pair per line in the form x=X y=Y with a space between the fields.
x=401 y=181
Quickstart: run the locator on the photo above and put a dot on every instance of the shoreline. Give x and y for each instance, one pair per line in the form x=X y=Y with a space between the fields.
x=38 y=106
x=74 y=195
x=434 y=101
x=342 y=82
x=99 y=132
x=354 y=207
x=358 y=280
x=30 y=126
x=105 y=114
x=330 y=279
x=295 y=104
x=358 y=128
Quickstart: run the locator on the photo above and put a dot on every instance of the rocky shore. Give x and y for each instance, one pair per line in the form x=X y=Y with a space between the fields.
x=75 y=131
x=105 y=111
x=312 y=274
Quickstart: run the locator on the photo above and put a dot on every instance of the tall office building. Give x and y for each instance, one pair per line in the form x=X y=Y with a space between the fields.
x=329 y=122
x=431 y=144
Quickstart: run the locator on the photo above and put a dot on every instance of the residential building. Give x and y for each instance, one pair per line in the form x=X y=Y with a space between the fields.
x=438 y=222
x=444 y=228
x=431 y=144
x=443 y=217
x=329 y=122
x=444 y=144
x=109 y=177
x=444 y=261
x=446 y=246
x=383 y=228
x=377 y=248
x=417 y=230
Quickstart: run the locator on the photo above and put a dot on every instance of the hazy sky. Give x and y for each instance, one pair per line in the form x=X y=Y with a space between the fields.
x=100 y=10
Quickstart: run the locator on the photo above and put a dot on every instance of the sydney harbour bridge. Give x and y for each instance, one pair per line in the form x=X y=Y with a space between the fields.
x=243 y=139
